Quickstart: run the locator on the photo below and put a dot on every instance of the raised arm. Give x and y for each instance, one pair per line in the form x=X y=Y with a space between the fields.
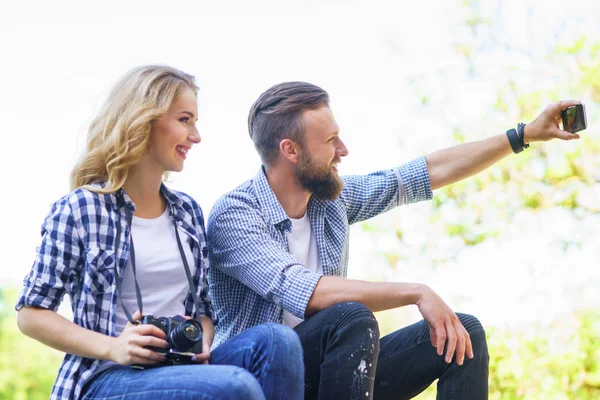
x=365 y=196
x=456 y=163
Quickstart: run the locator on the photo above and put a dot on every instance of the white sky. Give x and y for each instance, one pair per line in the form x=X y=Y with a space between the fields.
x=59 y=59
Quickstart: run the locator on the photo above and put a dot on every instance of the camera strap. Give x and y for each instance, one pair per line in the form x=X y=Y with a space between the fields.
x=138 y=293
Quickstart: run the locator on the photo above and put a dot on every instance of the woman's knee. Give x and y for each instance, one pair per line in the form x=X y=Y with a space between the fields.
x=284 y=335
x=241 y=384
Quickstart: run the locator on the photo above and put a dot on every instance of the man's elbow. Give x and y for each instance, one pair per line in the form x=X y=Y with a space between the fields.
x=321 y=299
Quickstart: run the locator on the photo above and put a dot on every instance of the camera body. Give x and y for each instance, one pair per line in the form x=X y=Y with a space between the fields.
x=183 y=336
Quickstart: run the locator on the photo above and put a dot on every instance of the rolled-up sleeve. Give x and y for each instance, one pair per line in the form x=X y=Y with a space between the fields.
x=413 y=182
x=56 y=259
x=241 y=246
x=365 y=196
x=207 y=309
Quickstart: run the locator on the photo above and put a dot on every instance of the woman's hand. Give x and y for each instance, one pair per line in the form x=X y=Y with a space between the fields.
x=207 y=339
x=203 y=357
x=130 y=347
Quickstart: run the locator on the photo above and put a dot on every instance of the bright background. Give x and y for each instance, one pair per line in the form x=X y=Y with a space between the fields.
x=516 y=246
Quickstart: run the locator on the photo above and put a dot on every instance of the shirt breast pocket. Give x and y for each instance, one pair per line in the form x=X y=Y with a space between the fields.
x=99 y=274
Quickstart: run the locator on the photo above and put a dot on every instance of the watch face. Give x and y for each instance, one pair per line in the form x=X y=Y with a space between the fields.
x=573 y=118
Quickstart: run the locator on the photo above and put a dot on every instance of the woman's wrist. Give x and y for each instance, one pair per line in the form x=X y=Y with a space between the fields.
x=106 y=345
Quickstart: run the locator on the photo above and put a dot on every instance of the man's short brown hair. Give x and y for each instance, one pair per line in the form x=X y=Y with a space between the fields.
x=277 y=115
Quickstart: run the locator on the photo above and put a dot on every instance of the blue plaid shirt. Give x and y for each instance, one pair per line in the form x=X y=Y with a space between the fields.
x=254 y=277
x=77 y=256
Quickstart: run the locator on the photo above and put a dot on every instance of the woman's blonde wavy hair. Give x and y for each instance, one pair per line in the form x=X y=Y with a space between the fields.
x=118 y=136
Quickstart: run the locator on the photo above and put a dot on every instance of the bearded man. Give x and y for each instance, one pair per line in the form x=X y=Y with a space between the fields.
x=278 y=246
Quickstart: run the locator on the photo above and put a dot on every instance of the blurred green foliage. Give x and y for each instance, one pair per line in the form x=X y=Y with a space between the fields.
x=541 y=177
x=562 y=361
x=27 y=367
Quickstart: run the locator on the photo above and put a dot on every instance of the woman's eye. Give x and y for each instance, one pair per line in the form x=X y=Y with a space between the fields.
x=184 y=119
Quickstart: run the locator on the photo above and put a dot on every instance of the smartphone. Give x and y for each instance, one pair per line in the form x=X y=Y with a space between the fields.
x=573 y=118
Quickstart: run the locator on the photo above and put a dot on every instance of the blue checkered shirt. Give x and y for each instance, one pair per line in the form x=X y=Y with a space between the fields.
x=254 y=278
x=77 y=256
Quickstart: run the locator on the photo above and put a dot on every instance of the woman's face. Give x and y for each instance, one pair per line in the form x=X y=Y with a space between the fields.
x=174 y=134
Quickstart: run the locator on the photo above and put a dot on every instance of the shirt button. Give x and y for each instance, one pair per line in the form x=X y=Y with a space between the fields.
x=179 y=223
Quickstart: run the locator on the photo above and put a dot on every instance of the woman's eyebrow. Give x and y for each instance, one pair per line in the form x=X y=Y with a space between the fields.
x=191 y=114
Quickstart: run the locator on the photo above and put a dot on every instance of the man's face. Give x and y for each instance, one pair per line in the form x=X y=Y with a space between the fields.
x=322 y=150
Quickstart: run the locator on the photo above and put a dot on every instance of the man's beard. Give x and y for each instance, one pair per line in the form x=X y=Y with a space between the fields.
x=318 y=179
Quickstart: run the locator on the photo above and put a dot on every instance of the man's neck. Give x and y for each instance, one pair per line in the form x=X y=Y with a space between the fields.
x=143 y=187
x=292 y=197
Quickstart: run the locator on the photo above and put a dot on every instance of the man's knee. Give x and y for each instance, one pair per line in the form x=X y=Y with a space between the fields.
x=351 y=312
x=354 y=322
x=477 y=335
x=471 y=323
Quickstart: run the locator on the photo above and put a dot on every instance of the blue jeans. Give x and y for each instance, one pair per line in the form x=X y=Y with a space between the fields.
x=344 y=358
x=263 y=362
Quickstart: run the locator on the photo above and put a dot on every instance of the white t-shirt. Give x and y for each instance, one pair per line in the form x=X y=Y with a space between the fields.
x=303 y=246
x=159 y=270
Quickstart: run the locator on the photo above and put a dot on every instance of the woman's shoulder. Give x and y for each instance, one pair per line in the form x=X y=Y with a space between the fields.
x=82 y=197
x=186 y=201
x=82 y=201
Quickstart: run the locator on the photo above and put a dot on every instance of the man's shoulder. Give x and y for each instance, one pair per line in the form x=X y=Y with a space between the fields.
x=242 y=197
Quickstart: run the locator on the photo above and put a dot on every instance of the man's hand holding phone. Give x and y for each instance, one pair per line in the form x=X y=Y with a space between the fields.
x=547 y=125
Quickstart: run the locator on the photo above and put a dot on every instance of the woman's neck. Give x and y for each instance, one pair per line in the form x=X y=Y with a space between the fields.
x=144 y=190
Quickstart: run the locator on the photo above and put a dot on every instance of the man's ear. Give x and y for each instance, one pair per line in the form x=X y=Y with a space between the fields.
x=289 y=150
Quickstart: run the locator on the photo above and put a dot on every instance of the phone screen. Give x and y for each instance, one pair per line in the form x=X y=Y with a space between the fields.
x=573 y=118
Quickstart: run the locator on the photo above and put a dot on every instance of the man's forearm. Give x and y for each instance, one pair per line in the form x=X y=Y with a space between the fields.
x=377 y=296
x=459 y=162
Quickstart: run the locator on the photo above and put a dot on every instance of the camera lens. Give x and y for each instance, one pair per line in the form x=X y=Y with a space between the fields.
x=185 y=335
x=192 y=332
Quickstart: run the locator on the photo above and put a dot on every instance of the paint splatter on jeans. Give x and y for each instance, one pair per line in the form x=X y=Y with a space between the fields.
x=345 y=359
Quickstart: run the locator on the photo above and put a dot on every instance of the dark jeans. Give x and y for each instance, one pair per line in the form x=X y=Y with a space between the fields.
x=263 y=362
x=345 y=359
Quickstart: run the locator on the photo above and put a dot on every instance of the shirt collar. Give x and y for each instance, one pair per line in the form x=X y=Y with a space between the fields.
x=174 y=201
x=120 y=198
x=268 y=200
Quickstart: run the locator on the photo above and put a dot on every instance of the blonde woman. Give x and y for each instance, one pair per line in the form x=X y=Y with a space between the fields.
x=122 y=241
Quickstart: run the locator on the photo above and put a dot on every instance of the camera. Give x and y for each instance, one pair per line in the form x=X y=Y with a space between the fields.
x=184 y=339
x=574 y=119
